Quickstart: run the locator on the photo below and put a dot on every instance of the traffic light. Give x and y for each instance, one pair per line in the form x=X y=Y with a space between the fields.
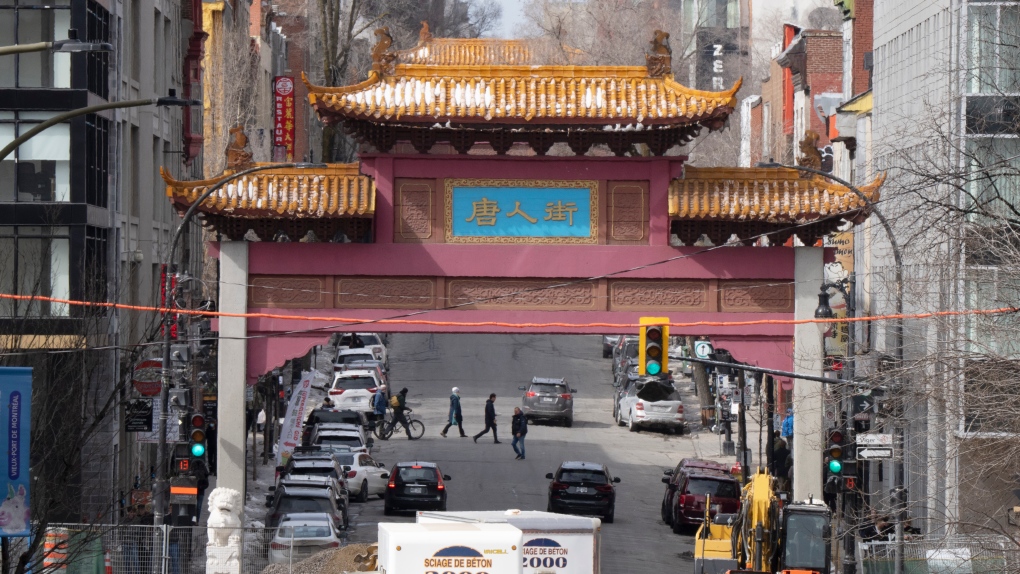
x=196 y=434
x=653 y=358
x=834 y=451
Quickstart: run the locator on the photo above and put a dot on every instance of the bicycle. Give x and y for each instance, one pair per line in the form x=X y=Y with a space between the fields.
x=383 y=431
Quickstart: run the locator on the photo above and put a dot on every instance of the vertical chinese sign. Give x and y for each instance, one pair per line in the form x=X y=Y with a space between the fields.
x=283 y=118
x=15 y=432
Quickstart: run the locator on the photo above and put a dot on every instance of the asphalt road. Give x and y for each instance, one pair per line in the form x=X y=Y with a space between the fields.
x=485 y=476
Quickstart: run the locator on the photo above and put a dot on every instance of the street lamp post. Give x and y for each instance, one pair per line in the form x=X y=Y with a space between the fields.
x=71 y=45
x=159 y=496
x=897 y=336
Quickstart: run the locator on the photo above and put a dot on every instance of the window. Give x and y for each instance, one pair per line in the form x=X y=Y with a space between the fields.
x=994 y=176
x=994 y=52
x=39 y=170
x=713 y=488
x=34 y=261
x=97 y=160
x=27 y=22
x=98 y=63
x=94 y=272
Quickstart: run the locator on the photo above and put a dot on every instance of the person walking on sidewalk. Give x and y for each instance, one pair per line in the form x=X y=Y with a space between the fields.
x=519 y=428
x=456 y=415
x=399 y=404
x=490 y=419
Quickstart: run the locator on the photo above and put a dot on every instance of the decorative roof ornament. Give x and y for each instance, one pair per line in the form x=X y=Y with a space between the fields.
x=660 y=61
x=424 y=36
x=239 y=155
x=382 y=58
x=810 y=156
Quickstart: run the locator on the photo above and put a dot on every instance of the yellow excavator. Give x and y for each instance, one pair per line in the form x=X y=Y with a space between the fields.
x=765 y=536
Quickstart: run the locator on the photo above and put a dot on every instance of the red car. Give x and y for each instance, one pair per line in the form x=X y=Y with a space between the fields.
x=688 y=485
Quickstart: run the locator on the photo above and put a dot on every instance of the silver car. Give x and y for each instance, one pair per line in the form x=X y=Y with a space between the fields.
x=548 y=399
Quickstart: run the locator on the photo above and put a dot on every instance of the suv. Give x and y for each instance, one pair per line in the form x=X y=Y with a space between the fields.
x=354 y=390
x=549 y=399
x=371 y=341
x=347 y=356
x=319 y=416
x=415 y=486
x=315 y=464
x=343 y=500
x=348 y=439
x=625 y=348
x=651 y=403
x=291 y=499
x=583 y=488
x=686 y=488
x=608 y=342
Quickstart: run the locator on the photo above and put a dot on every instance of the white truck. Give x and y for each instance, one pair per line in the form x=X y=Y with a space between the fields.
x=552 y=543
x=449 y=548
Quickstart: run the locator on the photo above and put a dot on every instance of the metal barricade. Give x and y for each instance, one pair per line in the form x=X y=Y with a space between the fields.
x=974 y=555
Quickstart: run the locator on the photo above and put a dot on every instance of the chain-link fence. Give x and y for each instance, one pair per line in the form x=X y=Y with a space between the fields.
x=956 y=555
x=131 y=549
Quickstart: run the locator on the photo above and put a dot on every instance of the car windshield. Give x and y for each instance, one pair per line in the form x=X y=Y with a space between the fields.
x=294 y=504
x=370 y=340
x=313 y=470
x=419 y=474
x=345 y=459
x=588 y=476
x=316 y=530
x=548 y=388
x=328 y=417
x=354 y=383
x=714 y=488
x=340 y=441
x=805 y=547
x=352 y=357
x=631 y=350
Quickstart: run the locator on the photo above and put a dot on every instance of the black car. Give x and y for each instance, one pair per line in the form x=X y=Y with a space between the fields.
x=291 y=499
x=583 y=488
x=415 y=486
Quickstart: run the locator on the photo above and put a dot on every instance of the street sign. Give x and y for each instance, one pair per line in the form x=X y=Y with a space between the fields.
x=702 y=349
x=874 y=439
x=863 y=407
x=138 y=415
x=873 y=453
x=147 y=377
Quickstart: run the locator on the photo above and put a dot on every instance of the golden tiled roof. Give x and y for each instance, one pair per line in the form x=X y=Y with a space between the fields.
x=607 y=95
x=467 y=52
x=764 y=194
x=338 y=190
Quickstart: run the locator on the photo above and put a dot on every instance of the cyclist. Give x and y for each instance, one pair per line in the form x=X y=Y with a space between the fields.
x=399 y=404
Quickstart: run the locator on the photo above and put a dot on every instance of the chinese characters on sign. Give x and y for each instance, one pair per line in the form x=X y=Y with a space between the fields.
x=283 y=118
x=522 y=212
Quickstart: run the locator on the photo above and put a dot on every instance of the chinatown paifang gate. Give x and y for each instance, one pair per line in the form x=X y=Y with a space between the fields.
x=457 y=215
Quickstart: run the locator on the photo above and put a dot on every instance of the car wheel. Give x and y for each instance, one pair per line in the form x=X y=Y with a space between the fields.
x=679 y=431
x=568 y=423
x=363 y=495
x=630 y=424
x=382 y=495
x=663 y=514
x=619 y=418
x=677 y=525
x=387 y=510
x=606 y=354
x=549 y=507
x=442 y=507
x=610 y=516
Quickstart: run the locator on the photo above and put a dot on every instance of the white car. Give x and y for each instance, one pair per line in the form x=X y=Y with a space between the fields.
x=345 y=357
x=354 y=390
x=661 y=407
x=319 y=428
x=370 y=341
x=355 y=440
x=364 y=475
x=302 y=534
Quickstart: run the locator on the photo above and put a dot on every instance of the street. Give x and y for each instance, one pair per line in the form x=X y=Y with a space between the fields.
x=485 y=476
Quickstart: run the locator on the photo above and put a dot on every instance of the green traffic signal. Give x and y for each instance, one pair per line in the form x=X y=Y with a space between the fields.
x=197 y=449
x=835 y=466
x=652 y=368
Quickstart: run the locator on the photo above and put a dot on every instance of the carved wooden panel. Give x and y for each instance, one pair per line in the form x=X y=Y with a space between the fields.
x=755 y=296
x=385 y=293
x=288 y=292
x=652 y=295
x=517 y=294
x=414 y=211
x=628 y=212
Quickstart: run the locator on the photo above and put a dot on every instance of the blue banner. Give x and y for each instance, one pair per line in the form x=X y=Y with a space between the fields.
x=15 y=435
x=535 y=212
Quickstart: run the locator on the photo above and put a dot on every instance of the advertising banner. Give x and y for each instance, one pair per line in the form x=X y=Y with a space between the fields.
x=15 y=435
x=283 y=115
x=290 y=435
x=138 y=415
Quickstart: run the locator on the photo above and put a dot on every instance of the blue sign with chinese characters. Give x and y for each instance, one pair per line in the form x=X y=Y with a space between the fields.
x=15 y=435
x=479 y=211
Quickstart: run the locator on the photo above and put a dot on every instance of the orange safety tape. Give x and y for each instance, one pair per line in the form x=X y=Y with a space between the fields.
x=103 y=304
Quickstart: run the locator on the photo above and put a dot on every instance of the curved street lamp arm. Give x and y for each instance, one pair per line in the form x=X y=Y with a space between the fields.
x=22 y=48
x=60 y=118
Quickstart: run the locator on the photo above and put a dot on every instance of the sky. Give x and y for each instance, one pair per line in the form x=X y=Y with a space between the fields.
x=513 y=17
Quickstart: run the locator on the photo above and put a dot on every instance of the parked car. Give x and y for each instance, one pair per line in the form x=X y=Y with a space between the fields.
x=319 y=464
x=548 y=399
x=354 y=440
x=621 y=386
x=364 y=474
x=582 y=488
x=302 y=534
x=608 y=342
x=626 y=348
x=330 y=482
x=354 y=390
x=651 y=403
x=321 y=428
x=333 y=416
x=371 y=341
x=293 y=499
x=686 y=488
x=362 y=365
x=627 y=366
x=415 y=486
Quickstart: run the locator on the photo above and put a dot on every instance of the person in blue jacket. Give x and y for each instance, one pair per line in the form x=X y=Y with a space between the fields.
x=456 y=416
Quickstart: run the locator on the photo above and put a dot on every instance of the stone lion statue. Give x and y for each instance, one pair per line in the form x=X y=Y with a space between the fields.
x=225 y=506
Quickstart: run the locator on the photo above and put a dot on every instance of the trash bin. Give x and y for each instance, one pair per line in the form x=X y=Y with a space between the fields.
x=707 y=416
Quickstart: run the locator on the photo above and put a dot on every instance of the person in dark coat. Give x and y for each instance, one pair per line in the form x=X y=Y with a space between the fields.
x=779 y=456
x=456 y=416
x=519 y=429
x=490 y=419
x=398 y=414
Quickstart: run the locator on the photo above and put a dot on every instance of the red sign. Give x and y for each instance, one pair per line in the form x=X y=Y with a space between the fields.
x=147 y=377
x=283 y=114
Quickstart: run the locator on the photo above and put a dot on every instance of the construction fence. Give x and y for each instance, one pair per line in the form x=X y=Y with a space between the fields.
x=953 y=555
x=130 y=549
